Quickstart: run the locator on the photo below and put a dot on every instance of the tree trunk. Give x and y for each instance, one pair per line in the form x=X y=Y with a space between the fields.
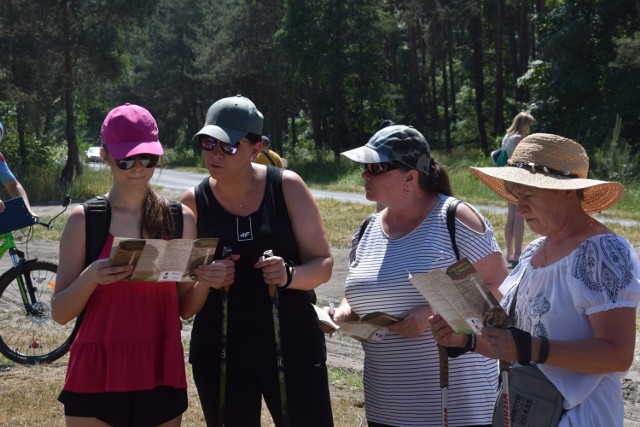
x=478 y=73
x=22 y=145
x=522 y=94
x=73 y=160
x=445 y=105
x=498 y=111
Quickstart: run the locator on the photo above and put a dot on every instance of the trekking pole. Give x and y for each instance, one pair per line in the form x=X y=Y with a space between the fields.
x=273 y=293
x=224 y=296
x=504 y=377
x=444 y=384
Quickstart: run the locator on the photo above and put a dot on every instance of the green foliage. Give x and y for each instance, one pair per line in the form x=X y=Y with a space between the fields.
x=615 y=159
x=323 y=73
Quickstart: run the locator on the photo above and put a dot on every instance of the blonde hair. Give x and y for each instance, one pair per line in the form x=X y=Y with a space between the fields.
x=520 y=121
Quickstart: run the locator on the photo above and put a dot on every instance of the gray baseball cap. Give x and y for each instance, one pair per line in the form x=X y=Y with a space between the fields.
x=399 y=143
x=231 y=119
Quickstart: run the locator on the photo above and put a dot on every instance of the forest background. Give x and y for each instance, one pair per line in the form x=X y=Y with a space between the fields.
x=324 y=73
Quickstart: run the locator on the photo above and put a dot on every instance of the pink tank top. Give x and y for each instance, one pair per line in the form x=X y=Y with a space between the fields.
x=129 y=339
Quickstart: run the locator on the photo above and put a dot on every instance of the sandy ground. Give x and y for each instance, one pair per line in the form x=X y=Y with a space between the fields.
x=343 y=351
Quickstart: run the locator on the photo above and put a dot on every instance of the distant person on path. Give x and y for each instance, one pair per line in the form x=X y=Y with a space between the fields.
x=126 y=365
x=9 y=180
x=252 y=208
x=514 y=228
x=267 y=156
x=576 y=289
x=401 y=373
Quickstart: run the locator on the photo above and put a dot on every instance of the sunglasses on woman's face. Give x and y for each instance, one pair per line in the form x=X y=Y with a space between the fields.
x=380 y=168
x=208 y=143
x=146 y=160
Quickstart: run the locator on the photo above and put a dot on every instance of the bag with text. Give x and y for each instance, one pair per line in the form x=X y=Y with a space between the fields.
x=534 y=401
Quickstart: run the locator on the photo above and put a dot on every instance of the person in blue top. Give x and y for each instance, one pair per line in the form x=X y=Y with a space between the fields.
x=9 y=180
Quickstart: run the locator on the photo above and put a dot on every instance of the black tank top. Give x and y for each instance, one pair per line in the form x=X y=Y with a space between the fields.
x=250 y=336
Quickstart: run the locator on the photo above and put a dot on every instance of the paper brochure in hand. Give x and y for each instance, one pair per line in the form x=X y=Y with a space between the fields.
x=461 y=297
x=371 y=327
x=158 y=260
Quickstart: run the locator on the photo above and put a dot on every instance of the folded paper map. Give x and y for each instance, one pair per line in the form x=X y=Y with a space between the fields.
x=461 y=297
x=158 y=260
x=371 y=327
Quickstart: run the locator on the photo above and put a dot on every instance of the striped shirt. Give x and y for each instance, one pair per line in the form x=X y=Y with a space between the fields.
x=401 y=375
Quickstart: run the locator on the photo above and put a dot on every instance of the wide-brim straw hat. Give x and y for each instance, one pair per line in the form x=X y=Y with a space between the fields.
x=551 y=162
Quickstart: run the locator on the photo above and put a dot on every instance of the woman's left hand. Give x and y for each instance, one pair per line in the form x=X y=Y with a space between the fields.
x=414 y=323
x=443 y=333
x=501 y=344
x=274 y=270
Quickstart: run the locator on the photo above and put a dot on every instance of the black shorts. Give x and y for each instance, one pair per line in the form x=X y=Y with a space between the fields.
x=126 y=409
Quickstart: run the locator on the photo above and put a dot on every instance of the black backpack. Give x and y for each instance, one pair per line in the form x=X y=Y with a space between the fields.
x=97 y=214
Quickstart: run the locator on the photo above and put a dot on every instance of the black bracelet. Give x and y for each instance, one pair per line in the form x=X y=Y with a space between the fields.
x=290 y=271
x=470 y=346
x=544 y=350
x=522 y=340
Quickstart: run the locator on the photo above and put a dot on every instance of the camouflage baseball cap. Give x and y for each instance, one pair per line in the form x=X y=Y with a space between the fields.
x=398 y=143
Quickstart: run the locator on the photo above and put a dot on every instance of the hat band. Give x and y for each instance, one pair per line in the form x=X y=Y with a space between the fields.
x=540 y=168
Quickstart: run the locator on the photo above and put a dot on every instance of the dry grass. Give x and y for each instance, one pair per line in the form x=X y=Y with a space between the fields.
x=29 y=396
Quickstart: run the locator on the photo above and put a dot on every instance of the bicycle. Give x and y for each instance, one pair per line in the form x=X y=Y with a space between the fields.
x=28 y=334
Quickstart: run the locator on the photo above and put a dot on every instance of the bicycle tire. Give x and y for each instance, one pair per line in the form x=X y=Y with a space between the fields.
x=34 y=338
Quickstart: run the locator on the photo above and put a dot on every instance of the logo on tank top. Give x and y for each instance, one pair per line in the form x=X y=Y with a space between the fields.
x=244 y=229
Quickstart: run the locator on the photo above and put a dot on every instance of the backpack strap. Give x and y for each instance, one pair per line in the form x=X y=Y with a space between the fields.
x=363 y=227
x=356 y=238
x=451 y=225
x=269 y=157
x=176 y=211
x=97 y=219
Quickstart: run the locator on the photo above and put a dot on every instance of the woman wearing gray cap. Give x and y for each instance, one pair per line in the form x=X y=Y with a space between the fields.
x=401 y=378
x=255 y=209
x=575 y=292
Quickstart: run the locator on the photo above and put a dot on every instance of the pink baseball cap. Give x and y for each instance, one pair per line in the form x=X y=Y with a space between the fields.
x=129 y=130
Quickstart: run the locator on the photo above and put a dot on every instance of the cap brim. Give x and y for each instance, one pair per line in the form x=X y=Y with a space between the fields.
x=598 y=195
x=223 y=134
x=365 y=154
x=128 y=149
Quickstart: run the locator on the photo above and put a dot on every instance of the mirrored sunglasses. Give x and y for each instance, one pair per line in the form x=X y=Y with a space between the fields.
x=208 y=143
x=380 y=168
x=146 y=160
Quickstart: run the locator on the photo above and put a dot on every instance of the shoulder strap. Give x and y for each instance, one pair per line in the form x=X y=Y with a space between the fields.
x=451 y=225
x=356 y=238
x=363 y=227
x=97 y=219
x=269 y=157
x=176 y=211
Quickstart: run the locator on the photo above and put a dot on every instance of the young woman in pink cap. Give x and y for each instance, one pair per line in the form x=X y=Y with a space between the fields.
x=126 y=365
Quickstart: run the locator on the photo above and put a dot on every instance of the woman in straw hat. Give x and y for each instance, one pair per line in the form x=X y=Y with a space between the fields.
x=576 y=288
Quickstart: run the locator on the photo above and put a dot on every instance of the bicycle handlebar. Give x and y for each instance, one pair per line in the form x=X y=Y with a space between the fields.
x=65 y=204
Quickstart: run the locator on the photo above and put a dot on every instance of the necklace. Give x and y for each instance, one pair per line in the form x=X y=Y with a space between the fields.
x=544 y=253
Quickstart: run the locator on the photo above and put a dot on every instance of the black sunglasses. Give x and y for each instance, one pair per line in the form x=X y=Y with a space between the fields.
x=208 y=143
x=380 y=168
x=146 y=160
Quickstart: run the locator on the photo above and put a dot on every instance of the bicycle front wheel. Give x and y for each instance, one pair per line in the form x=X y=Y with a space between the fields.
x=30 y=336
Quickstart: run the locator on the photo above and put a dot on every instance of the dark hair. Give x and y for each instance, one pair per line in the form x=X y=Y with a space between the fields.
x=254 y=138
x=437 y=181
x=157 y=219
x=385 y=123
